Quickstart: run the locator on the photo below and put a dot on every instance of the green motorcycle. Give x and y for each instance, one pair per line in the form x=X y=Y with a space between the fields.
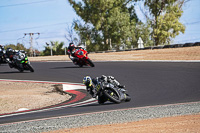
x=21 y=63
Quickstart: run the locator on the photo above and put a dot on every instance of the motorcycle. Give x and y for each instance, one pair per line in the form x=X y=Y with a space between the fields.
x=112 y=93
x=82 y=58
x=2 y=56
x=21 y=64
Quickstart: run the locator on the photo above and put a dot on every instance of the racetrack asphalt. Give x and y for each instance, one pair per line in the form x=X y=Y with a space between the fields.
x=148 y=83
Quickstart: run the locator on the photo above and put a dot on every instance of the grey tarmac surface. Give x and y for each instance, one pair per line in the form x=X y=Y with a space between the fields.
x=148 y=83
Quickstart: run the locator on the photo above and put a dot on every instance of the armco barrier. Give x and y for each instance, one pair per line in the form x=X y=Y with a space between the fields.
x=196 y=44
x=188 y=44
x=145 y=48
x=167 y=46
x=178 y=45
x=158 y=47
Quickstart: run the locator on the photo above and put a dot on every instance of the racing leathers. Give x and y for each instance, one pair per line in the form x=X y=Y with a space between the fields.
x=92 y=85
x=16 y=60
x=71 y=53
x=2 y=54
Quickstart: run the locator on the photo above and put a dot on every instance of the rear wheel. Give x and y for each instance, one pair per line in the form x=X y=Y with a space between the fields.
x=90 y=62
x=21 y=70
x=102 y=98
x=112 y=95
x=80 y=65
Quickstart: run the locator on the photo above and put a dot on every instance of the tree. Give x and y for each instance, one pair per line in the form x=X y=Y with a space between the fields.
x=164 y=19
x=70 y=36
x=18 y=47
x=89 y=35
x=57 y=49
x=111 y=19
x=143 y=30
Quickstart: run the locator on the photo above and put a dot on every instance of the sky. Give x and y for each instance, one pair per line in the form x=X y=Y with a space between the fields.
x=50 y=18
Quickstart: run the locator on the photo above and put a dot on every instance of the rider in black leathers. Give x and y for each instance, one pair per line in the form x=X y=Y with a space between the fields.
x=91 y=84
x=2 y=54
x=15 y=57
x=9 y=55
x=71 y=52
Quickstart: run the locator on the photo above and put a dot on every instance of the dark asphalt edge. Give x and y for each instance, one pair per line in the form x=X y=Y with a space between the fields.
x=102 y=118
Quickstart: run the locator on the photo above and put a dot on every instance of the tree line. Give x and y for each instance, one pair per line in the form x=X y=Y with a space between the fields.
x=57 y=49
x=107 y=24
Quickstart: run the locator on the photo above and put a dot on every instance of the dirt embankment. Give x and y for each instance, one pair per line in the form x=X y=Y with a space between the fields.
x=15 y=95
x=178 y=124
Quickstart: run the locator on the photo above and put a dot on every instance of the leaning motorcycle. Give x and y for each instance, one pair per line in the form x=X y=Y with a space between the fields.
x=82 y=58
x=22 y=64
x=112 y=93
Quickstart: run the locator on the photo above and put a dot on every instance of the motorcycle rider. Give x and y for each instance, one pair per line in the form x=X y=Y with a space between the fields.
x=91 y=84
x=2 y=48
x=71 y=52
x=17 y=57
x=3 y=54
x=9 y=56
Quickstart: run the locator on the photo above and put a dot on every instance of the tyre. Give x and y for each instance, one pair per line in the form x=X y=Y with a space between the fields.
x=90 y=62
x=80 y=65
x=10 y=65
x=20 y=67
x=30 y=67
x=112 y=95
x=21 y=70
x=128 y=98
x=102 y=98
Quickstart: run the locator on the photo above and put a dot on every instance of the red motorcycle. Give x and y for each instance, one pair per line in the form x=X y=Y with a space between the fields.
x=83 y=58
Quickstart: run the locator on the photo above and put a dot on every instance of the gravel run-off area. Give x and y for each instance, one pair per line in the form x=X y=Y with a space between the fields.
x=128 y=119
x=15 y=96
x=165 y=118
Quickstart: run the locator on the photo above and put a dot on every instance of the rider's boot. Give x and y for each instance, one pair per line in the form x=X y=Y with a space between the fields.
x=94 y=93
x=121 y=86
x=75 y=60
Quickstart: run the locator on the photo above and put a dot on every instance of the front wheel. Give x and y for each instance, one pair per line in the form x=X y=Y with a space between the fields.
x=128 y=98
x=30 y=67
x=112 y=95
x=90 y=62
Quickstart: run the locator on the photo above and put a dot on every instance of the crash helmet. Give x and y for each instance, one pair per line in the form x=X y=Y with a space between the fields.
x=71 y=44
x=71 y=47
x=9 y=51
x=87 y=81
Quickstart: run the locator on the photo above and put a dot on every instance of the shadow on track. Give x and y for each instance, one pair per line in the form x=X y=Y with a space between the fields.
x=96 y=104
x=68 y=67
x=12 y=72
